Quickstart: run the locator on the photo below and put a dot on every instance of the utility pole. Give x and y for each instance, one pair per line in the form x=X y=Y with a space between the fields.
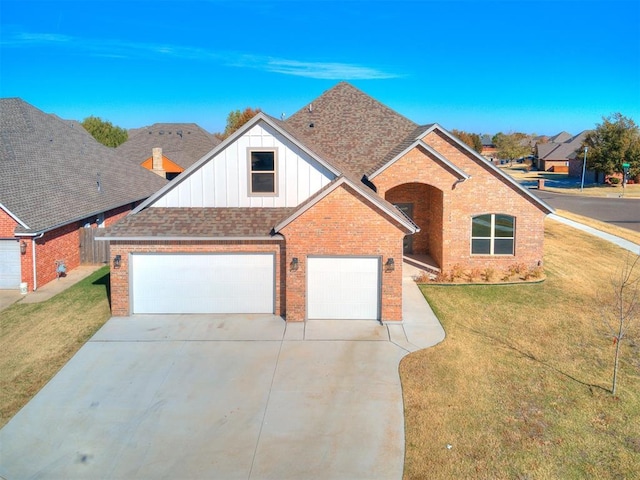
x=584 y=167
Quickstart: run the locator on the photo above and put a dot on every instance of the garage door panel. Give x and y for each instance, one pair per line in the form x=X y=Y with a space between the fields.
x=208 y=283
x=343 y=288
x=10 y=276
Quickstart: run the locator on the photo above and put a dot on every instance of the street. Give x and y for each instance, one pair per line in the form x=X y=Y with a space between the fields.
x=623 y=212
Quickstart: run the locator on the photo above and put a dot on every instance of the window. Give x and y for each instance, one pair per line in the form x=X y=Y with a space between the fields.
x=262 y=172
x=492 y=234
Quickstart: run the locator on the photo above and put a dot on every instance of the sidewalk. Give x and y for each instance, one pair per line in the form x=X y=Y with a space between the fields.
x=9 y=297
x=621 y=242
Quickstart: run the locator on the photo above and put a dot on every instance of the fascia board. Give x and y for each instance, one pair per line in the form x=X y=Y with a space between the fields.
x=133 y=238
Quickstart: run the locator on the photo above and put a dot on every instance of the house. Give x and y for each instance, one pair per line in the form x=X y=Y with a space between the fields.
x=55 y=182
x=489 y=150
x=167 y=148
x=559 y=154
x=310 y=218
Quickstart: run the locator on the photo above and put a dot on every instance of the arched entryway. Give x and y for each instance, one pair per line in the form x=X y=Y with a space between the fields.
x=424 y=204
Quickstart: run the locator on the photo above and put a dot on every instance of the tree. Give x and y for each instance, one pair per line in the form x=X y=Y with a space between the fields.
x=614 y=141
x=621 y=307
x=236 y=119
x=105 y=132
x=512 y=145
x=471 y=139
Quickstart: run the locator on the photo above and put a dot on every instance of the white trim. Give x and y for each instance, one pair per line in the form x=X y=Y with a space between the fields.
x=24 y=225
x=276 y=237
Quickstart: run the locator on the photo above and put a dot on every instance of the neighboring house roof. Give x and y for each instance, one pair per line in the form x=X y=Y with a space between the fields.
x=182 y=143
x=53 y=173
x=560 y=138
x=563 y=151
x=200 y=223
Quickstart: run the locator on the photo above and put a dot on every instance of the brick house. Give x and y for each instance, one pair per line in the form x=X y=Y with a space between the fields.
x=310 y=218
x=167 y=148
x=56 y=180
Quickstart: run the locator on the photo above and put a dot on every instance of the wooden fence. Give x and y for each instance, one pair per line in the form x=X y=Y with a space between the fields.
x=91 y=250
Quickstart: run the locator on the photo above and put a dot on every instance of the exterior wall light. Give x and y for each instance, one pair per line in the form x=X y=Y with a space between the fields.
x=23 y=247
x=294 y=264
x=390 y=266
x=117 y=260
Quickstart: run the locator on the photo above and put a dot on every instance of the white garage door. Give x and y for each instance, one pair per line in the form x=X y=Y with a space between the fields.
x=9 y=264
x=343 y=288
x=207 y=283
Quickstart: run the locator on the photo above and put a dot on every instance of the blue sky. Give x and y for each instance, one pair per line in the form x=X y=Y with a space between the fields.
x=537 y=67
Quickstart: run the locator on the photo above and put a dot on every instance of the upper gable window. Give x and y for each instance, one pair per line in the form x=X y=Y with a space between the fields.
x=493 y=234
x=263 y=165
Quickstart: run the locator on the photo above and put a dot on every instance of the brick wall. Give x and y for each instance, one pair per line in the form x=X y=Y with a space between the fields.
x=120 y=301
x=484 y=192
x=343 y=224
x=59 y=244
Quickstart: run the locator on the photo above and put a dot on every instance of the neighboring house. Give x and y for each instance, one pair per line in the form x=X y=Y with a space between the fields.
x=310 y=218
x=559 y=154
x=55 y=180
x=489 y=150
x=167 y=148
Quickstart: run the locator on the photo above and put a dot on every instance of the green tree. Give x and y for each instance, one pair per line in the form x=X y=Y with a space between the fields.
x=105 y=132
x=512 y=145
x=614 y=141
x=236 y=119
x=471 y=139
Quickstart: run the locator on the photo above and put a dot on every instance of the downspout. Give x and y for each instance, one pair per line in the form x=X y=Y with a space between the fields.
x=33 y=259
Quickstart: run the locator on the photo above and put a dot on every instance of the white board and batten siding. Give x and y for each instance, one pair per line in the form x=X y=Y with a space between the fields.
x=223 y=181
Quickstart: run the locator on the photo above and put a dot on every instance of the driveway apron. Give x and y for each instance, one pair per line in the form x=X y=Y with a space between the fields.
x=213 y=397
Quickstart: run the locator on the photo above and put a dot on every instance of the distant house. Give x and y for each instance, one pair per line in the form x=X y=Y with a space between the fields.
x=559 y=154
x=489 y=150
x=310 y=218
x=56 y=181
x=167 y=148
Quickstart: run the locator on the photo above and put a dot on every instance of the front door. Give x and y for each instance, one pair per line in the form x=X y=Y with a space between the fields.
x=407 y=243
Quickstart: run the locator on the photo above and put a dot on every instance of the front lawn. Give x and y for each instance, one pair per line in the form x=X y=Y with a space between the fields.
x=37 y=339
x=519 y=389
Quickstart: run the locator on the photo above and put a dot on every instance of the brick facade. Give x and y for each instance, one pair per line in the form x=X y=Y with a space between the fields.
x=59 y=244
x=417 y=174
x=343 y=224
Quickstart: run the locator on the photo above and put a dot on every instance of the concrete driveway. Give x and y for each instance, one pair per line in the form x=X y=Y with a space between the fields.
x=227 y=397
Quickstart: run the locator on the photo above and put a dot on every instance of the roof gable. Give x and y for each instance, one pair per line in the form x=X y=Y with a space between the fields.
x=52 y=173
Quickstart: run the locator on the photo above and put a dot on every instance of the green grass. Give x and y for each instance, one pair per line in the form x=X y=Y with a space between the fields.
x=520 y=386
x=37 y=339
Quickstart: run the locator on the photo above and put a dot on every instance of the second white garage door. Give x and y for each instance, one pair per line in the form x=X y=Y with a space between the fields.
x=206 y=283
x=343 y=288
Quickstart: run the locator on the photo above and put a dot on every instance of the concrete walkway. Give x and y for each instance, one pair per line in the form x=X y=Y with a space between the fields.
x=221 y=396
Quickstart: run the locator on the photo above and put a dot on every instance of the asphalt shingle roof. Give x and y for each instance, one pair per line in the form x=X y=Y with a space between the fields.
x=182 y=143
x=200 y=222
x=350 y=129
x=50 y=170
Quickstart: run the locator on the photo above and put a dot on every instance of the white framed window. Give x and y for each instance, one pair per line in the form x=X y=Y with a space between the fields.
x=493 y=234
x=263 y=171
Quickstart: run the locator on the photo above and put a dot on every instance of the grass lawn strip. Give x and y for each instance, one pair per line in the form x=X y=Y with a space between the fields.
x=520 y=386
x=37 y=339
x=625 y=233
